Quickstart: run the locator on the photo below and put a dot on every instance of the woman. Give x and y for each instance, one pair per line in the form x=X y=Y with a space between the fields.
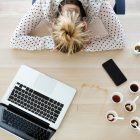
x=54 y=9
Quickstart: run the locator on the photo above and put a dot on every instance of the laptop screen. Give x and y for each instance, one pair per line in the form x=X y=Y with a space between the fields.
x=20 y=126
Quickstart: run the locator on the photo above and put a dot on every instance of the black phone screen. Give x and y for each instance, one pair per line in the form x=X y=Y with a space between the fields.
x=114 y=72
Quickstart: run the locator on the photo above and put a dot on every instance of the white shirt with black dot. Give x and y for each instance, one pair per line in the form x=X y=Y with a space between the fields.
x=46 y=9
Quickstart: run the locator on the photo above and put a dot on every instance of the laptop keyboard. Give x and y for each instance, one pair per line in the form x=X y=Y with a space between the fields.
x=36 y=102
x=24 y=125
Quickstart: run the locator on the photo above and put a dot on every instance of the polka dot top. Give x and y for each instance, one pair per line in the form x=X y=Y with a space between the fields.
x=46 y=9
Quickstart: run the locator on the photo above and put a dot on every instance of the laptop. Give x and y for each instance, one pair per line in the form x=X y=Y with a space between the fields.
x=34 y=105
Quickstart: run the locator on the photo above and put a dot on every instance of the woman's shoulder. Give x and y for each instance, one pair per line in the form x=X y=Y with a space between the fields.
x=93 y=9
x=52 y=3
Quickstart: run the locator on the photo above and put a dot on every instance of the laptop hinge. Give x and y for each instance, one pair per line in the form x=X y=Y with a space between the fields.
x=51 y=132
x=28 y=116
x=3 y=104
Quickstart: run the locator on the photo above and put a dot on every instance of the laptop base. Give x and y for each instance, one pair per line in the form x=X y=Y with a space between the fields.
x=21 y=124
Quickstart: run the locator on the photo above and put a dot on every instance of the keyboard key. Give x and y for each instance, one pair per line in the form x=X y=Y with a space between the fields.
x=55 y=115
x=51 y=100
x=17 y=88
x=59 y=108
x=30 y=90
x=58 y=103
x=57 y=112
x=49 y=103
x=52 y=109
x=52 y=105
x=61 y=105
x=49 y=107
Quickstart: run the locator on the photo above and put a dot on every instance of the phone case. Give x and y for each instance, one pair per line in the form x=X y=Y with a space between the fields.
x=114 y=72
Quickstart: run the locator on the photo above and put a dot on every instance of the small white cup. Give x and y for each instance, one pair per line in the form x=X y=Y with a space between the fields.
x=134 y=87
x=117 y=97
x=135 y=123
x=130 y=106
x=112 y=116
x=137 y=48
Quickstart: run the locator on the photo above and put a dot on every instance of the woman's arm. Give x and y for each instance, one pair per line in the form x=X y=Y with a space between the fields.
x=20 y=39
x=115 y=38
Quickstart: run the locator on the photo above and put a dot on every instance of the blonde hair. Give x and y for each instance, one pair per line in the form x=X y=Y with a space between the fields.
x=69 y=33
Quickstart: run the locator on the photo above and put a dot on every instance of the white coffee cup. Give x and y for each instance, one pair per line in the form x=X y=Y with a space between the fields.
x=112 y=116
x=135 y=123
x=134 y=87
x=130 y=106
x=137 y=48
x=117 y=97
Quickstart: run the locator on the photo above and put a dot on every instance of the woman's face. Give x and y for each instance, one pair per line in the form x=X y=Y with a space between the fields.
x=71 y=7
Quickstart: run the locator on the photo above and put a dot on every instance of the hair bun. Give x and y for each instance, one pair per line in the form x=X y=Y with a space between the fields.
x=68 y=33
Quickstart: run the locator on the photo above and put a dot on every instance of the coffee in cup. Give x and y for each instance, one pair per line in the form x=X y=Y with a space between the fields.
x=134 y=87
x=137 y=48
x=135 y=123
x=130 y=106
x=117 y=97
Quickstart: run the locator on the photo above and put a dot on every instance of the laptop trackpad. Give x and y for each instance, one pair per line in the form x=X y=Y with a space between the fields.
x=45 y=84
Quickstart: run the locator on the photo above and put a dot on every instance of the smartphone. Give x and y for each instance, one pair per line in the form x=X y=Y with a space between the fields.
x=114 y=72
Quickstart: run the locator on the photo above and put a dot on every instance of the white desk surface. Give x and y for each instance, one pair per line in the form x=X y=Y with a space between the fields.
x=85 y=119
